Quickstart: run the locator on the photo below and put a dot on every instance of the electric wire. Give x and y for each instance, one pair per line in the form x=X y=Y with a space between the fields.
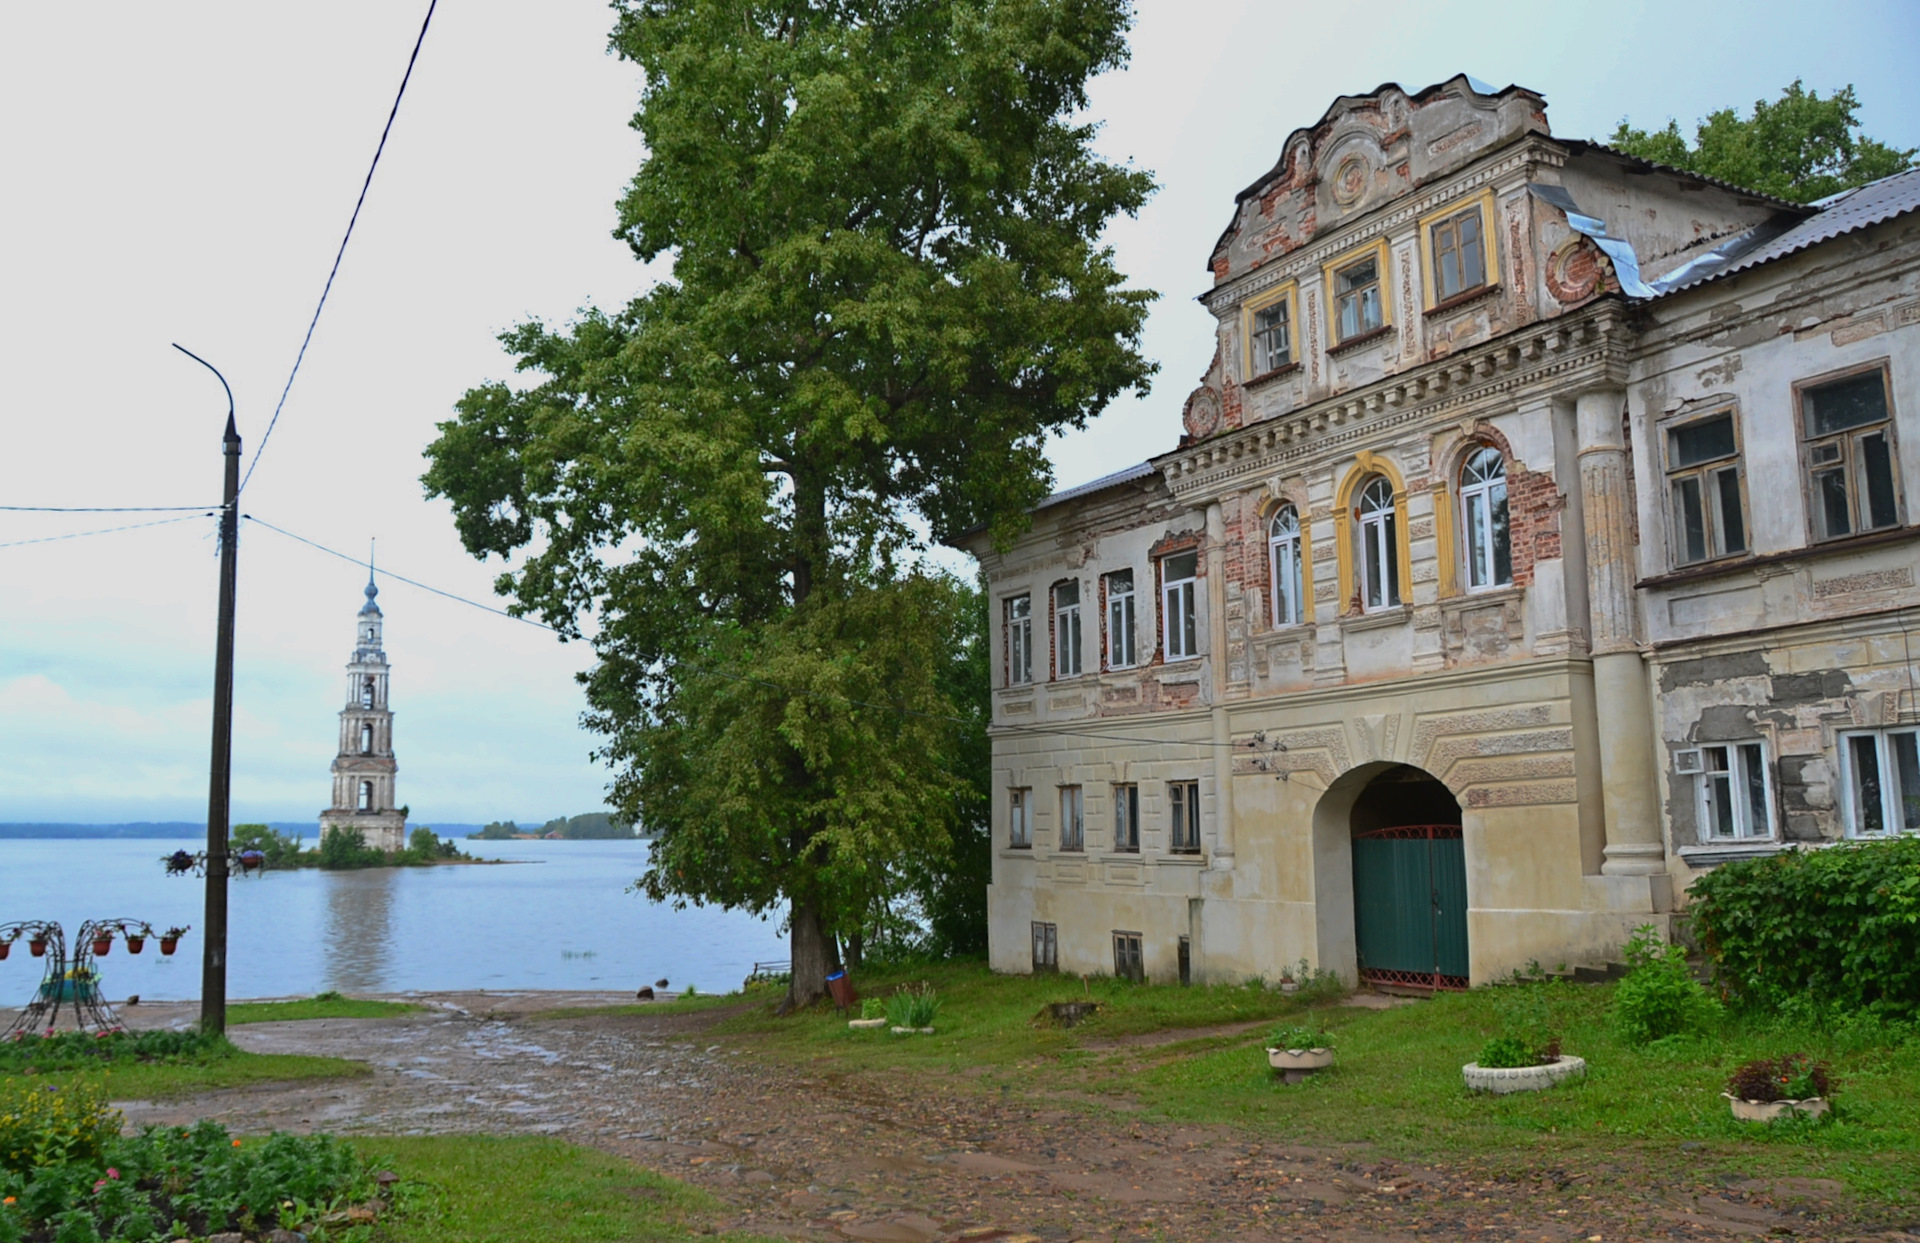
x=743 y=678
x=102 y=509
x=342 y=252
x=136 y=526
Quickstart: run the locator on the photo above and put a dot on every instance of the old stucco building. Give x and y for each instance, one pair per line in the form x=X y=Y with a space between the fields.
x=1539 y=535
x=365 y=770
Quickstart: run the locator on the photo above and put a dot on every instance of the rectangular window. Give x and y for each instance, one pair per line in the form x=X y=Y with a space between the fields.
x=1046 y=947
x=1020 y=819
x=1066 y=629
x=1177 y=574
x=1127 y=962
x=1851 y=475
x=1356 y=293
x=1073 y=821
x=1184 y=798
x=1459 y=254
x=1120 y=652
x=1272 y=337
x=1882 y=772
x=1186 y=961
x=1703 y=480
x=1733 y=797
x=1126 y=818
x=1019 y=640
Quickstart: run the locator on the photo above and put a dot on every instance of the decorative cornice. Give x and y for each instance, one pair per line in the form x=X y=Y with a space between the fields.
x=1586 y=349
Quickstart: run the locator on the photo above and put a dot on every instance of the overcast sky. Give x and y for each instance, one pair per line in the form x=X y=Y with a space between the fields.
x=183 y=172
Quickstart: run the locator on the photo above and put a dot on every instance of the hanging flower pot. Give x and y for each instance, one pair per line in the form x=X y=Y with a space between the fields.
x=37 y=947
x=6 y=947
x=102 y=945
x=135 y=943
x=169 y=944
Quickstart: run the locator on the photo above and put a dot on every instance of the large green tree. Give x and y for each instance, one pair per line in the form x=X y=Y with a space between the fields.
x=888 y=288
x=1799 y=147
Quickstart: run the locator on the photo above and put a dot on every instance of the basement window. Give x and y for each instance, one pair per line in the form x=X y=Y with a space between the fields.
x=1046 y=947
x=1127 y=961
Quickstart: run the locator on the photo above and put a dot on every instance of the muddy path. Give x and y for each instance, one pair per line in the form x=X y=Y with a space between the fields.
x=925 y=1158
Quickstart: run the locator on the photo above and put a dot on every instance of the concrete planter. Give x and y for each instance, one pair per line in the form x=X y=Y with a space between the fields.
x=1502 y=1080
x=912 y=1031
x=1299 y=1059
x=1768 y=1111
x=868 y=1024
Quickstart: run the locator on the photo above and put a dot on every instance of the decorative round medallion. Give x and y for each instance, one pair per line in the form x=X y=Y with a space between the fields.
x=1350 y=179
x=1202 y=416
x=1575 y=269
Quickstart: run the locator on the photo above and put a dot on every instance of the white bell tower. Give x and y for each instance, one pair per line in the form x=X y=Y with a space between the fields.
x=363 y=772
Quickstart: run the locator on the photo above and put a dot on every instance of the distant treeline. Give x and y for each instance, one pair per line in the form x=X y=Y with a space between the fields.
x=596 y=826
x=174 y=828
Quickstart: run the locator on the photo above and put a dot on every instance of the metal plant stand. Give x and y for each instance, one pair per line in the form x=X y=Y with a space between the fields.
x=69 y=982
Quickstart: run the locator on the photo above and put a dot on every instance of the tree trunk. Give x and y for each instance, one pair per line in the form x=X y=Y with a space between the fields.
x=856 y=950
x=811 y=964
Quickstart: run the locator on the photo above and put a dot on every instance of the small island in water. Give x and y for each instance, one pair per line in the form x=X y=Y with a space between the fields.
x=594 y=826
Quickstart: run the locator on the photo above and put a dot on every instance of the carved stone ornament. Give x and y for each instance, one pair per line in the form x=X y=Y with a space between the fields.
x=1350 y=179
x=1575 y=269
x=1202 y=417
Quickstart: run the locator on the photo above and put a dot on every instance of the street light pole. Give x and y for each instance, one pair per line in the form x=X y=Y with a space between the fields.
x=213 y=960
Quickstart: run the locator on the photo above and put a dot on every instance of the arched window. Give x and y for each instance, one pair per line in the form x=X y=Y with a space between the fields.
x=1379 y=546
x=1483 y=507
x=366 y=738
x=366 y=692
x=366 y=796
x=1283 y=565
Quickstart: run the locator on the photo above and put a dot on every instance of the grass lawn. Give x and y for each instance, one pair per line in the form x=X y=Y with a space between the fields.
x=1396 y=1081
x=146 y=1081
x=324 y=1006
x=768 y=994
x=467 y=1189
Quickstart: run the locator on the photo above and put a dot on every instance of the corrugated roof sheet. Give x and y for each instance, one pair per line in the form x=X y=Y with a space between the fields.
x=1131 y=473
x=1874 y=203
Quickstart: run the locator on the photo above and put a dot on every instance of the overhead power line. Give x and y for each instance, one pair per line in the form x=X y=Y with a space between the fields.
x=102 y=509
x=48 y=539
x=342 y=252
x=732 y=677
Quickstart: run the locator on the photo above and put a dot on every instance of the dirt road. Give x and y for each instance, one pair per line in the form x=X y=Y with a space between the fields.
x=926 y=1158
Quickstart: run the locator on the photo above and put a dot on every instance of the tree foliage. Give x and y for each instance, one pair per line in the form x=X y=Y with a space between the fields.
x=1799 y=147
x=887 y=290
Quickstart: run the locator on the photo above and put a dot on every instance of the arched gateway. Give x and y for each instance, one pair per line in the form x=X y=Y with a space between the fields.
x=1401 y=831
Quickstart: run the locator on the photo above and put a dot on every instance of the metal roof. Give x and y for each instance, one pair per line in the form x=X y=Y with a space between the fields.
x=1131 y=473
x=1871 y=204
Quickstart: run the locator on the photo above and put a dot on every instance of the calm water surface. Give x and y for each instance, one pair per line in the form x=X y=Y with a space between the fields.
x=556 y=916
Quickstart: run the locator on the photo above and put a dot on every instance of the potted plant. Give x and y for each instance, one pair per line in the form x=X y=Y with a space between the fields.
x=911 y=1010
x=6 y=945
x=1769 y=1088
x=137 y=941
x=37 y=945
x=873 y=1014
x=102 y=942
x=1298 y=1050
x=1525 y=1055
x=170 y=939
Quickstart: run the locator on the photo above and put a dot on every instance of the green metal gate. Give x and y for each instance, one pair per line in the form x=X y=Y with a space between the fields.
x=1410 y=905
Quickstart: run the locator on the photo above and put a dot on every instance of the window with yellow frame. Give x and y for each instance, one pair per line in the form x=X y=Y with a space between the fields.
x=1267 y=324
x=1357 y=293
x=1457 y=251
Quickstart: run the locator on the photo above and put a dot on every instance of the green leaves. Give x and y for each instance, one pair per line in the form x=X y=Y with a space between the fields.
x=887 y=291
x=1838 y=927
x=1799 y=147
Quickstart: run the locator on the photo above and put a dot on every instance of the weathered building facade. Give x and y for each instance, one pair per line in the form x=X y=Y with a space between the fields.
x=1538 y=535
x=365 y=770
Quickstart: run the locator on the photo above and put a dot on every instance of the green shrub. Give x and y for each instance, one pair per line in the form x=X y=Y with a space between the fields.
x=78 y=1051
x=44 y=1126
x=913 y=1006
x=1660 y=998
x=1794 y=1077
x=1507 y=1052
x=347 y=848
x=1299 y=1036
x=873 y=1008
x=1839 y=927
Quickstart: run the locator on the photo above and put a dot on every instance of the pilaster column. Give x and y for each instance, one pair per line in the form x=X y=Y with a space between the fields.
x=1217 y=658
x=1622 y=706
